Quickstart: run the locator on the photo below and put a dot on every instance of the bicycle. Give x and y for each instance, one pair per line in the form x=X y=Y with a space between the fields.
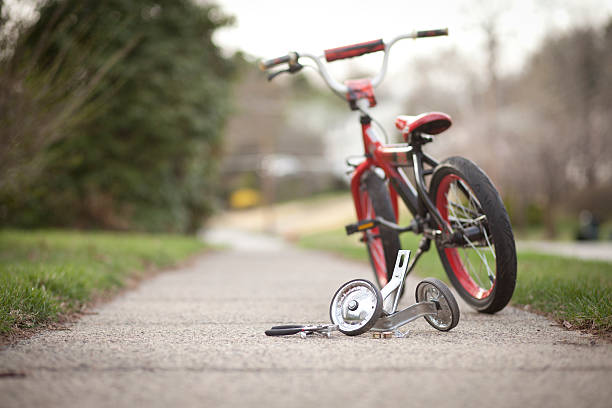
x=460 y=211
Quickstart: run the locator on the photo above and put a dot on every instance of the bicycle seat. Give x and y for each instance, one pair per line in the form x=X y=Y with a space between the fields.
x=431 y=123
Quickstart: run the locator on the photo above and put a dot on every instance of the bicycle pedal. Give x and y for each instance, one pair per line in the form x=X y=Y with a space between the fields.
x=362 y=225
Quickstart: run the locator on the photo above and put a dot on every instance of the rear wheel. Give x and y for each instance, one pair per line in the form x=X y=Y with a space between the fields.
x=481 y=263
x=382 y=243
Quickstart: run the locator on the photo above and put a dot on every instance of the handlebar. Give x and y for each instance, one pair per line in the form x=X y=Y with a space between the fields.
x=348 y=51
x=354 y=50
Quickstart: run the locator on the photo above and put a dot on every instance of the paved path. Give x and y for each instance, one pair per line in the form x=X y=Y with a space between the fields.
x=194 y=337
x=600 y=251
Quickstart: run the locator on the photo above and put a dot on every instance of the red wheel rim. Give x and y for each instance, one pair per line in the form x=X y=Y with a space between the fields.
x=452 y=254
x=375 y=245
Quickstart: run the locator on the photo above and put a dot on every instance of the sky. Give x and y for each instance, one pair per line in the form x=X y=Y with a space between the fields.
x=270 y=28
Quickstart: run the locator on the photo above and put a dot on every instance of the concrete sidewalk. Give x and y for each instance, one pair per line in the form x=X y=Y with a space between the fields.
x=194 y=337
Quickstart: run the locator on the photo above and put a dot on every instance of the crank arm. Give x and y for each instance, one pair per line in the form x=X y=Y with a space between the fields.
x=398 y=319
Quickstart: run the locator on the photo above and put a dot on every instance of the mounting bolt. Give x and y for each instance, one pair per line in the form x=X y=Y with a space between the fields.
x=383 y=335
x=353 y=305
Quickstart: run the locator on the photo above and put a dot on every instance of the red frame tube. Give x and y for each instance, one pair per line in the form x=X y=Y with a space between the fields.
x=355 y=184
x=394 y=202
x=378 y=157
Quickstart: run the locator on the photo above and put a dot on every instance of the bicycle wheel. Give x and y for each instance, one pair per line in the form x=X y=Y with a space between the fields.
x=481 y=264
x=382 y=243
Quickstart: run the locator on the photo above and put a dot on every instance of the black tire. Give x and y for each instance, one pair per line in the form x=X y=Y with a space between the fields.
x=448 y=314
x=470 y=180
x=378 y=194
x=374 y=316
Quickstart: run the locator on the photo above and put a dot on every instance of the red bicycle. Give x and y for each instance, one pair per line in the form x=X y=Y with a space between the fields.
x=459 y=209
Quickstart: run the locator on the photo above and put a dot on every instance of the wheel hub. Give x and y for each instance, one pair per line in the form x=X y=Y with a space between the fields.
x=353 y=306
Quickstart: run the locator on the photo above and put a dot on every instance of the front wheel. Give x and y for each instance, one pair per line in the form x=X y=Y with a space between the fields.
x=382 y=243
x=481 y=264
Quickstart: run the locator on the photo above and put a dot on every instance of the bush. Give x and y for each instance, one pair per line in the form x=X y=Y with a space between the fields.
x=140 y=151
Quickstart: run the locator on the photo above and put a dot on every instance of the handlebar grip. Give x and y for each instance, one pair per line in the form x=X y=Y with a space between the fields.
x=432 y=33
x=264 y=65
x=284 y=330
x=354 y=50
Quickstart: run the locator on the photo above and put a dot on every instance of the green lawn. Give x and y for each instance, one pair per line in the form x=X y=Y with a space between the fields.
x=570 y=290
x=44 y=274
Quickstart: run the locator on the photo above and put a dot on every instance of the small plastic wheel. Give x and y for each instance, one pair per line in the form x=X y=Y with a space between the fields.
x=355 y=307
x=432 y=289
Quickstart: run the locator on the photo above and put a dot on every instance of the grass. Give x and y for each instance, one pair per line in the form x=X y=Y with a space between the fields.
x=575 y=292
x=47 y=274
x=567 y=228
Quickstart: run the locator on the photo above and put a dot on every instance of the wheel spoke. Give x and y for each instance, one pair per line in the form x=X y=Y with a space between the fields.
x=466 y=256
x=466 y=220
x=483 y=258
x=462 y=215
x=489 y=243
x=478 y=220
x=470 y=196
x=465 y=210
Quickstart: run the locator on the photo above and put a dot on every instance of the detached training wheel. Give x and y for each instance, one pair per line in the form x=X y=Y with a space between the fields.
x=356 y=306
x=432 y=289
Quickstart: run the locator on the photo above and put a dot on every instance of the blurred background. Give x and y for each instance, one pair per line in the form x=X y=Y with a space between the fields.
x=152 y=115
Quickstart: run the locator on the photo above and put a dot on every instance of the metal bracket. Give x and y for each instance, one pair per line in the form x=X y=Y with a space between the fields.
x=395 y=320
x=396 y=283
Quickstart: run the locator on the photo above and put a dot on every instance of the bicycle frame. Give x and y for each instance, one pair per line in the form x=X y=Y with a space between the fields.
x=392 y=158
